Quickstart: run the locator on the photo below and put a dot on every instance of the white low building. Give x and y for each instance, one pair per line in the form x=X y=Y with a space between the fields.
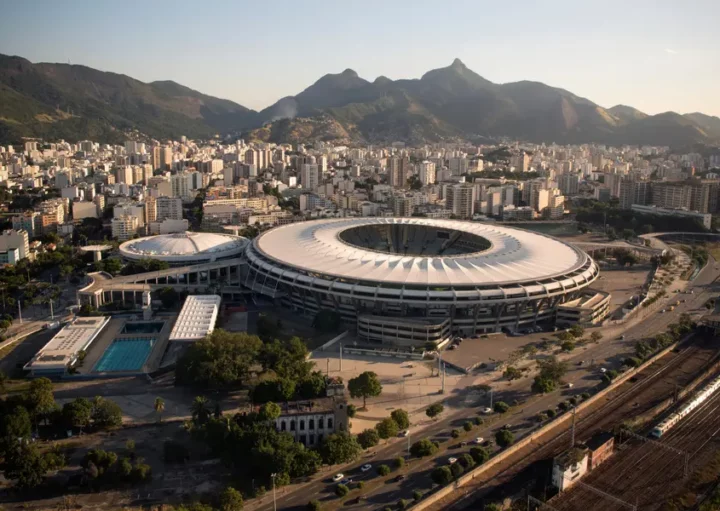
x=62 y=351
x=197 y=318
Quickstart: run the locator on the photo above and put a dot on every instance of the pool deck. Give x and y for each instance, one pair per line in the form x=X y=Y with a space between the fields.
x=112 y=332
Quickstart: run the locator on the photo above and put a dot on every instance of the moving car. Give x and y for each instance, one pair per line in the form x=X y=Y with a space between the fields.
x=405 y=433
x=487 y=410
x=365 y=467
x=338 y=477
x=452 y=460
x=400 y=478
x=603 y=370
x=479 y=440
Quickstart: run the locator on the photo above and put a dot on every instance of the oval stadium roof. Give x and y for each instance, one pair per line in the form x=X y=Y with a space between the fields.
x=514 y=255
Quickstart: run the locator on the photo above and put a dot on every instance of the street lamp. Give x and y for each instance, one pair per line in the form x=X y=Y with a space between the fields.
x=273 y=481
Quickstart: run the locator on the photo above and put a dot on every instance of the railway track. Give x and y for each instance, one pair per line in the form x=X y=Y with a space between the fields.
x=654 y=384
x=648 y=475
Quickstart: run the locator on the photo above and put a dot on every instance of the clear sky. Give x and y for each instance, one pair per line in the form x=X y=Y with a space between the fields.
x=655 y=55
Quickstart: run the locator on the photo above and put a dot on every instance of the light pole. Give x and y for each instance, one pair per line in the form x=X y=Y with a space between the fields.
x=273 y=481
x=408 y=437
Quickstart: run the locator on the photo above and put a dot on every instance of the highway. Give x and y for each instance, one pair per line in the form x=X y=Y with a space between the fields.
x=609 y=353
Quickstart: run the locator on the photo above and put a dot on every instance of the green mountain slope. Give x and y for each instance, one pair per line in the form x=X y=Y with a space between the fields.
x=75 y=102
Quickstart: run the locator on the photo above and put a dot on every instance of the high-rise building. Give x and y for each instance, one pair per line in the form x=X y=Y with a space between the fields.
x=634 y=192
x=309 y=176
x=398 y=171
x=124 y=174
x=124 y=227
x=671 y=195
x=427 y=172
x=15 y=240
x=458 y=166
x=569 y=183
x=402 y=205
x=459 y=199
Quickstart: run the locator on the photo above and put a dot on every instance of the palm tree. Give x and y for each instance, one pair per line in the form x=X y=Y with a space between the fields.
x=200 y=410
x=159 y=407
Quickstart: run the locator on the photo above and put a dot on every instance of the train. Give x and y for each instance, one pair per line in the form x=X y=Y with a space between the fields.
x=670 y=421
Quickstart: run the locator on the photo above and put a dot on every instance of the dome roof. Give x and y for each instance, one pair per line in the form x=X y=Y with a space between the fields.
x=184 y=246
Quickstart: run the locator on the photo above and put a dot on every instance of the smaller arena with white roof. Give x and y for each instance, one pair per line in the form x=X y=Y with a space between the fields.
x=185 y=248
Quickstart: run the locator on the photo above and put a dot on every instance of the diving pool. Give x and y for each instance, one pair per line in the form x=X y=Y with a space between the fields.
x=128 y=354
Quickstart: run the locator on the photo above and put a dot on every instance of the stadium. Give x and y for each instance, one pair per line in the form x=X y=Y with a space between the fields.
x=407 y=280
x=185 y=248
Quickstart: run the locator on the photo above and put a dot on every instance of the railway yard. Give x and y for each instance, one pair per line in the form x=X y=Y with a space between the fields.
x=640 y=470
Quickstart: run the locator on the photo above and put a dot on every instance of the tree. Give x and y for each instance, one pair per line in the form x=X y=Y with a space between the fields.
x=401 y=418
x=339 y=447
x=266 y=328
x=609 y=376
x=455 y=433
x=512 y=373
x=479 y=454
x=577 y=331
x=387 y=428
x=501 y=407
x=25 y=465
x=552 y=369
x=368 y=438
x=220 y=360
x=434 y=410
x=270 y=411
x=383 y=470
x=106 y=413
x=468 y=426
x=200 y=410
x=423 y=448
x=77 y=413
x=543 y=385
x=399 y=462
x=231 y=500
x=441 y=475
x=365 y=385
x=567 y=346
x=456 y=469
x=314 y=505
x=351 y=410
x=596 y=336
x=504 y=438
x=467 y=461
x=15 y=424
x=40 y=399
x=159 y=406
x=417 y=495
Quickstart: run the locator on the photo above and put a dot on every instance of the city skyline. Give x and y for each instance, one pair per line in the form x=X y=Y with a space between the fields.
x=255 y=57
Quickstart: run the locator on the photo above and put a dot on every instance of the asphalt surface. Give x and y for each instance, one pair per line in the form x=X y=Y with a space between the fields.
x=609 y=354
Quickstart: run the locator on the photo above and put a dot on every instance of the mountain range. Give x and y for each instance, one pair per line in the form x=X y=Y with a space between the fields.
x=76 y=102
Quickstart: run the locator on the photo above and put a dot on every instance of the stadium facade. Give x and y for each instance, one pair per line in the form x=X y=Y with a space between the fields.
x=409 y=280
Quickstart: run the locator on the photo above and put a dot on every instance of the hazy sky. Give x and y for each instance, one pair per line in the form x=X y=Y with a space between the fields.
x=655 y=55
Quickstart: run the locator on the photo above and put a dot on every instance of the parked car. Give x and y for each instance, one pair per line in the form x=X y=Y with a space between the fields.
x=452 y=460
x=400 y=478
x=479 y=440
x=569 y=385
x=338 y=477
x=603 y=370
x=405 y=433
x=365 y=467
x=487 y=410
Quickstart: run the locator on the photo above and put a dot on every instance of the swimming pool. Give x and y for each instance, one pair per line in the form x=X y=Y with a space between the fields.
x=128 y=354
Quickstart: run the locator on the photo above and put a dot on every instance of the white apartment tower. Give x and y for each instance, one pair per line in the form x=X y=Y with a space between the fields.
x=427 y=173
x=309 y=176
x=459 y=200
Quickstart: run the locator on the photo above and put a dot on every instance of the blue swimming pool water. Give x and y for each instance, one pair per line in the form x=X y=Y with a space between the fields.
x=125 y=354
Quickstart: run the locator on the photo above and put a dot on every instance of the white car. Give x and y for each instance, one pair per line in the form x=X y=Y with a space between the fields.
x=452 y=460
x=603 y=370
x=570 y=385
x=479 y=440
x=365 y=467
x=338 y=477
x=487 y=410
x=405 y=433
